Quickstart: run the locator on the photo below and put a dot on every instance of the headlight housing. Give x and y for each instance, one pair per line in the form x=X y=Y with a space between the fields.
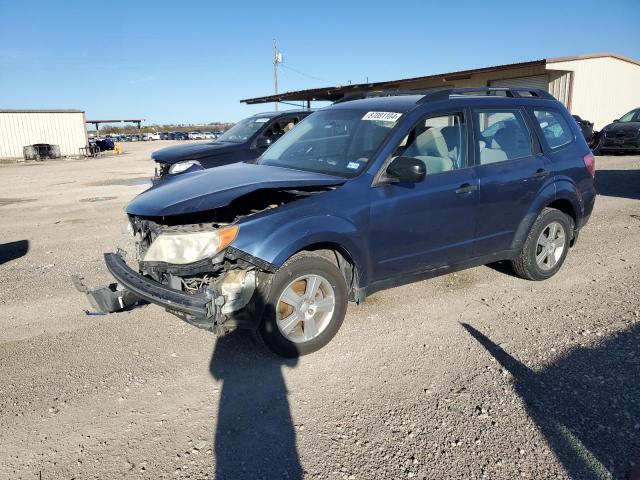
x=183 y=166
x=182 y=248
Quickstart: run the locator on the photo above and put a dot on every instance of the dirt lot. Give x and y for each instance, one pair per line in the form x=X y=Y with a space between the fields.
x=471 y=375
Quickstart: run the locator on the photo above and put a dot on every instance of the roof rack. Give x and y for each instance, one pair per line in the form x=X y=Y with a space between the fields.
x=486 y=91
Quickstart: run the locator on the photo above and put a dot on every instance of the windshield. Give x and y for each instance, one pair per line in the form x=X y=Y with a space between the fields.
x=243 y=130
x=335 y=142
x=632 y=116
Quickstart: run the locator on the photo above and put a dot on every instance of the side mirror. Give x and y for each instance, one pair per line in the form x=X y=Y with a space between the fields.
x=616 y=120
x=406 y=170
x=263 y=142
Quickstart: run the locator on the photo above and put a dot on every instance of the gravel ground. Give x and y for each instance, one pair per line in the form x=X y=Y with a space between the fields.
x=471 y=375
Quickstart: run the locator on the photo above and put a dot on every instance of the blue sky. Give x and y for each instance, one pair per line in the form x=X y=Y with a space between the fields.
x=193 y=61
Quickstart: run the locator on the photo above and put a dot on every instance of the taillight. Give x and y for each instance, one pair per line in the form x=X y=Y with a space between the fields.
x=590 y=163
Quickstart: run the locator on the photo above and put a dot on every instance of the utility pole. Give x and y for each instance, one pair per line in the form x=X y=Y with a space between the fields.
x=277 y=58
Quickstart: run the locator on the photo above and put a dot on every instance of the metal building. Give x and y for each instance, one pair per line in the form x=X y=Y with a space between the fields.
x=598 y=87
x=21 y=128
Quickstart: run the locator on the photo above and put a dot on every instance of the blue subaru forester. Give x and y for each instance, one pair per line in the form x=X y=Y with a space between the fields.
x=360 y=196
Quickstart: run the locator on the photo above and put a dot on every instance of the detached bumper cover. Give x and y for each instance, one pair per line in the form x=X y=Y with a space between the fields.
x=199 y=305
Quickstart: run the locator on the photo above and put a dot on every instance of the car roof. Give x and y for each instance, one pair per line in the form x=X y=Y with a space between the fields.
x=395 y=103
x=280 y=113
x=406 y=102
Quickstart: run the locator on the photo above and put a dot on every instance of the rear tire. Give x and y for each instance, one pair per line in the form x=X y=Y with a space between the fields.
x=305 y=306
x=546 y=247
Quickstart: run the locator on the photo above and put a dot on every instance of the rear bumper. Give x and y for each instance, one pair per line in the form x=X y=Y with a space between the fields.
x=200 y=305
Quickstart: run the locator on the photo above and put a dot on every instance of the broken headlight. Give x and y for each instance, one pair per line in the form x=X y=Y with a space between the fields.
x=183 y=166
x=182 y=248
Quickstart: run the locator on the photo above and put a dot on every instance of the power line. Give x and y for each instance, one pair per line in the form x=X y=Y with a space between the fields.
x=284 y=65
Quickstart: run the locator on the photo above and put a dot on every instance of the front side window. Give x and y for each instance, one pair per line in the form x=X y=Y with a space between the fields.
x=280 y=127
x=503 y=135
x=554 y=128
x=440 y=142
x=333 y=141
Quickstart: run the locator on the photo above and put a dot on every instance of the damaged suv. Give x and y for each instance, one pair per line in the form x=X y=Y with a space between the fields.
x=363 y=195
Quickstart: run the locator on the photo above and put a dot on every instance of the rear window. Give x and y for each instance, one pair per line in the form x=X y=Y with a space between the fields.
x=554 y=128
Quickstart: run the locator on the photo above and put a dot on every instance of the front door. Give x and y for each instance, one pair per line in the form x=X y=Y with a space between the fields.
x=419 y=226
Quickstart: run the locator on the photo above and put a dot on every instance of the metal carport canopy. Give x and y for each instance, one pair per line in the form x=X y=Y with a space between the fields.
x=337 y=92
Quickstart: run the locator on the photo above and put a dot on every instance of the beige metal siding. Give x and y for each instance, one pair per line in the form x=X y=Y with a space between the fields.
x=19 y=129
x=603 y=88
x=534 y=81
x=560 y=86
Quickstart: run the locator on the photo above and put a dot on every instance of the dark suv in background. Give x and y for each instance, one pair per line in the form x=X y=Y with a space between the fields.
x=623 y=135
x=243 y=142
x=361 y=196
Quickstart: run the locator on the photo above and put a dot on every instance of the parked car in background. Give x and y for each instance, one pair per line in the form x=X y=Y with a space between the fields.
x=621 y=136
x=150 y=136
x=208 y=135
x=361 y=196
x=245 y=141
x=135 y=138
x=164 y=135
x=180 y=136
x=105 y=144
x=196 y=136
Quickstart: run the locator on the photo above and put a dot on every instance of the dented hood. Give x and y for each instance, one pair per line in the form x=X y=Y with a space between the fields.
x=217 y=187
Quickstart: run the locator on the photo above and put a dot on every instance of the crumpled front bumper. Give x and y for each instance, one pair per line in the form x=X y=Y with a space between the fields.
x=199 y=305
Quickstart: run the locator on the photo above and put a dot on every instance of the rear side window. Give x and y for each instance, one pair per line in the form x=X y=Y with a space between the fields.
x=503 y=136
x=554 y=128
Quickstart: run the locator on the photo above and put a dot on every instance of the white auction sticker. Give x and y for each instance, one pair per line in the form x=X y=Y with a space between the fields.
x=382 y=116
x=261 y=120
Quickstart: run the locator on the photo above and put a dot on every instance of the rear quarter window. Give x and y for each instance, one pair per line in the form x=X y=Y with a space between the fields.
x=555 y=128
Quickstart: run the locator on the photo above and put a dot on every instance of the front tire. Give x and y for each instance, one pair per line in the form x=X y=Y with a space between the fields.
x=546 y=246
x=305 y=306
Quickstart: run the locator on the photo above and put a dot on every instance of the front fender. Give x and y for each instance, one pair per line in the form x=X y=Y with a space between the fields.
x=277 y=245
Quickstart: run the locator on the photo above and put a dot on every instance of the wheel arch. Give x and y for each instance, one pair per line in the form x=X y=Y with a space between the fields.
x=561 y=195
x=342 y=258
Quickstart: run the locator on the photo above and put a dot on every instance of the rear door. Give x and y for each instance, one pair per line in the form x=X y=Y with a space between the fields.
x=511 y=170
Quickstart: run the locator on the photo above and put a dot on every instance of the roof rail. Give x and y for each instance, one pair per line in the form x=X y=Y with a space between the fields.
x=487 y=91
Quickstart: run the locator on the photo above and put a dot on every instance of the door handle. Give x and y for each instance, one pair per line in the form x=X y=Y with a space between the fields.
x=541 y=172
x=466 y=188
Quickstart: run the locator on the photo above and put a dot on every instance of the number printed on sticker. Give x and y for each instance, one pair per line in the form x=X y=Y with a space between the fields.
x=382 y=116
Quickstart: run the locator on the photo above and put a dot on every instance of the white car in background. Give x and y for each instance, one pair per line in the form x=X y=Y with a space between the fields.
x=150 y=136
x=208 y=135
x=196 y=136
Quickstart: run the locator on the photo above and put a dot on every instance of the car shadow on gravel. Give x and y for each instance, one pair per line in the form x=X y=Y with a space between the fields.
x=255 y=435
x=13 y=250
x=586 y=404
x=618 y=183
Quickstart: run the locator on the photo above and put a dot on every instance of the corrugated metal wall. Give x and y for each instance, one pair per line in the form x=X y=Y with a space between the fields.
x=19 y=129
x=559 y=86
x=534 y=81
